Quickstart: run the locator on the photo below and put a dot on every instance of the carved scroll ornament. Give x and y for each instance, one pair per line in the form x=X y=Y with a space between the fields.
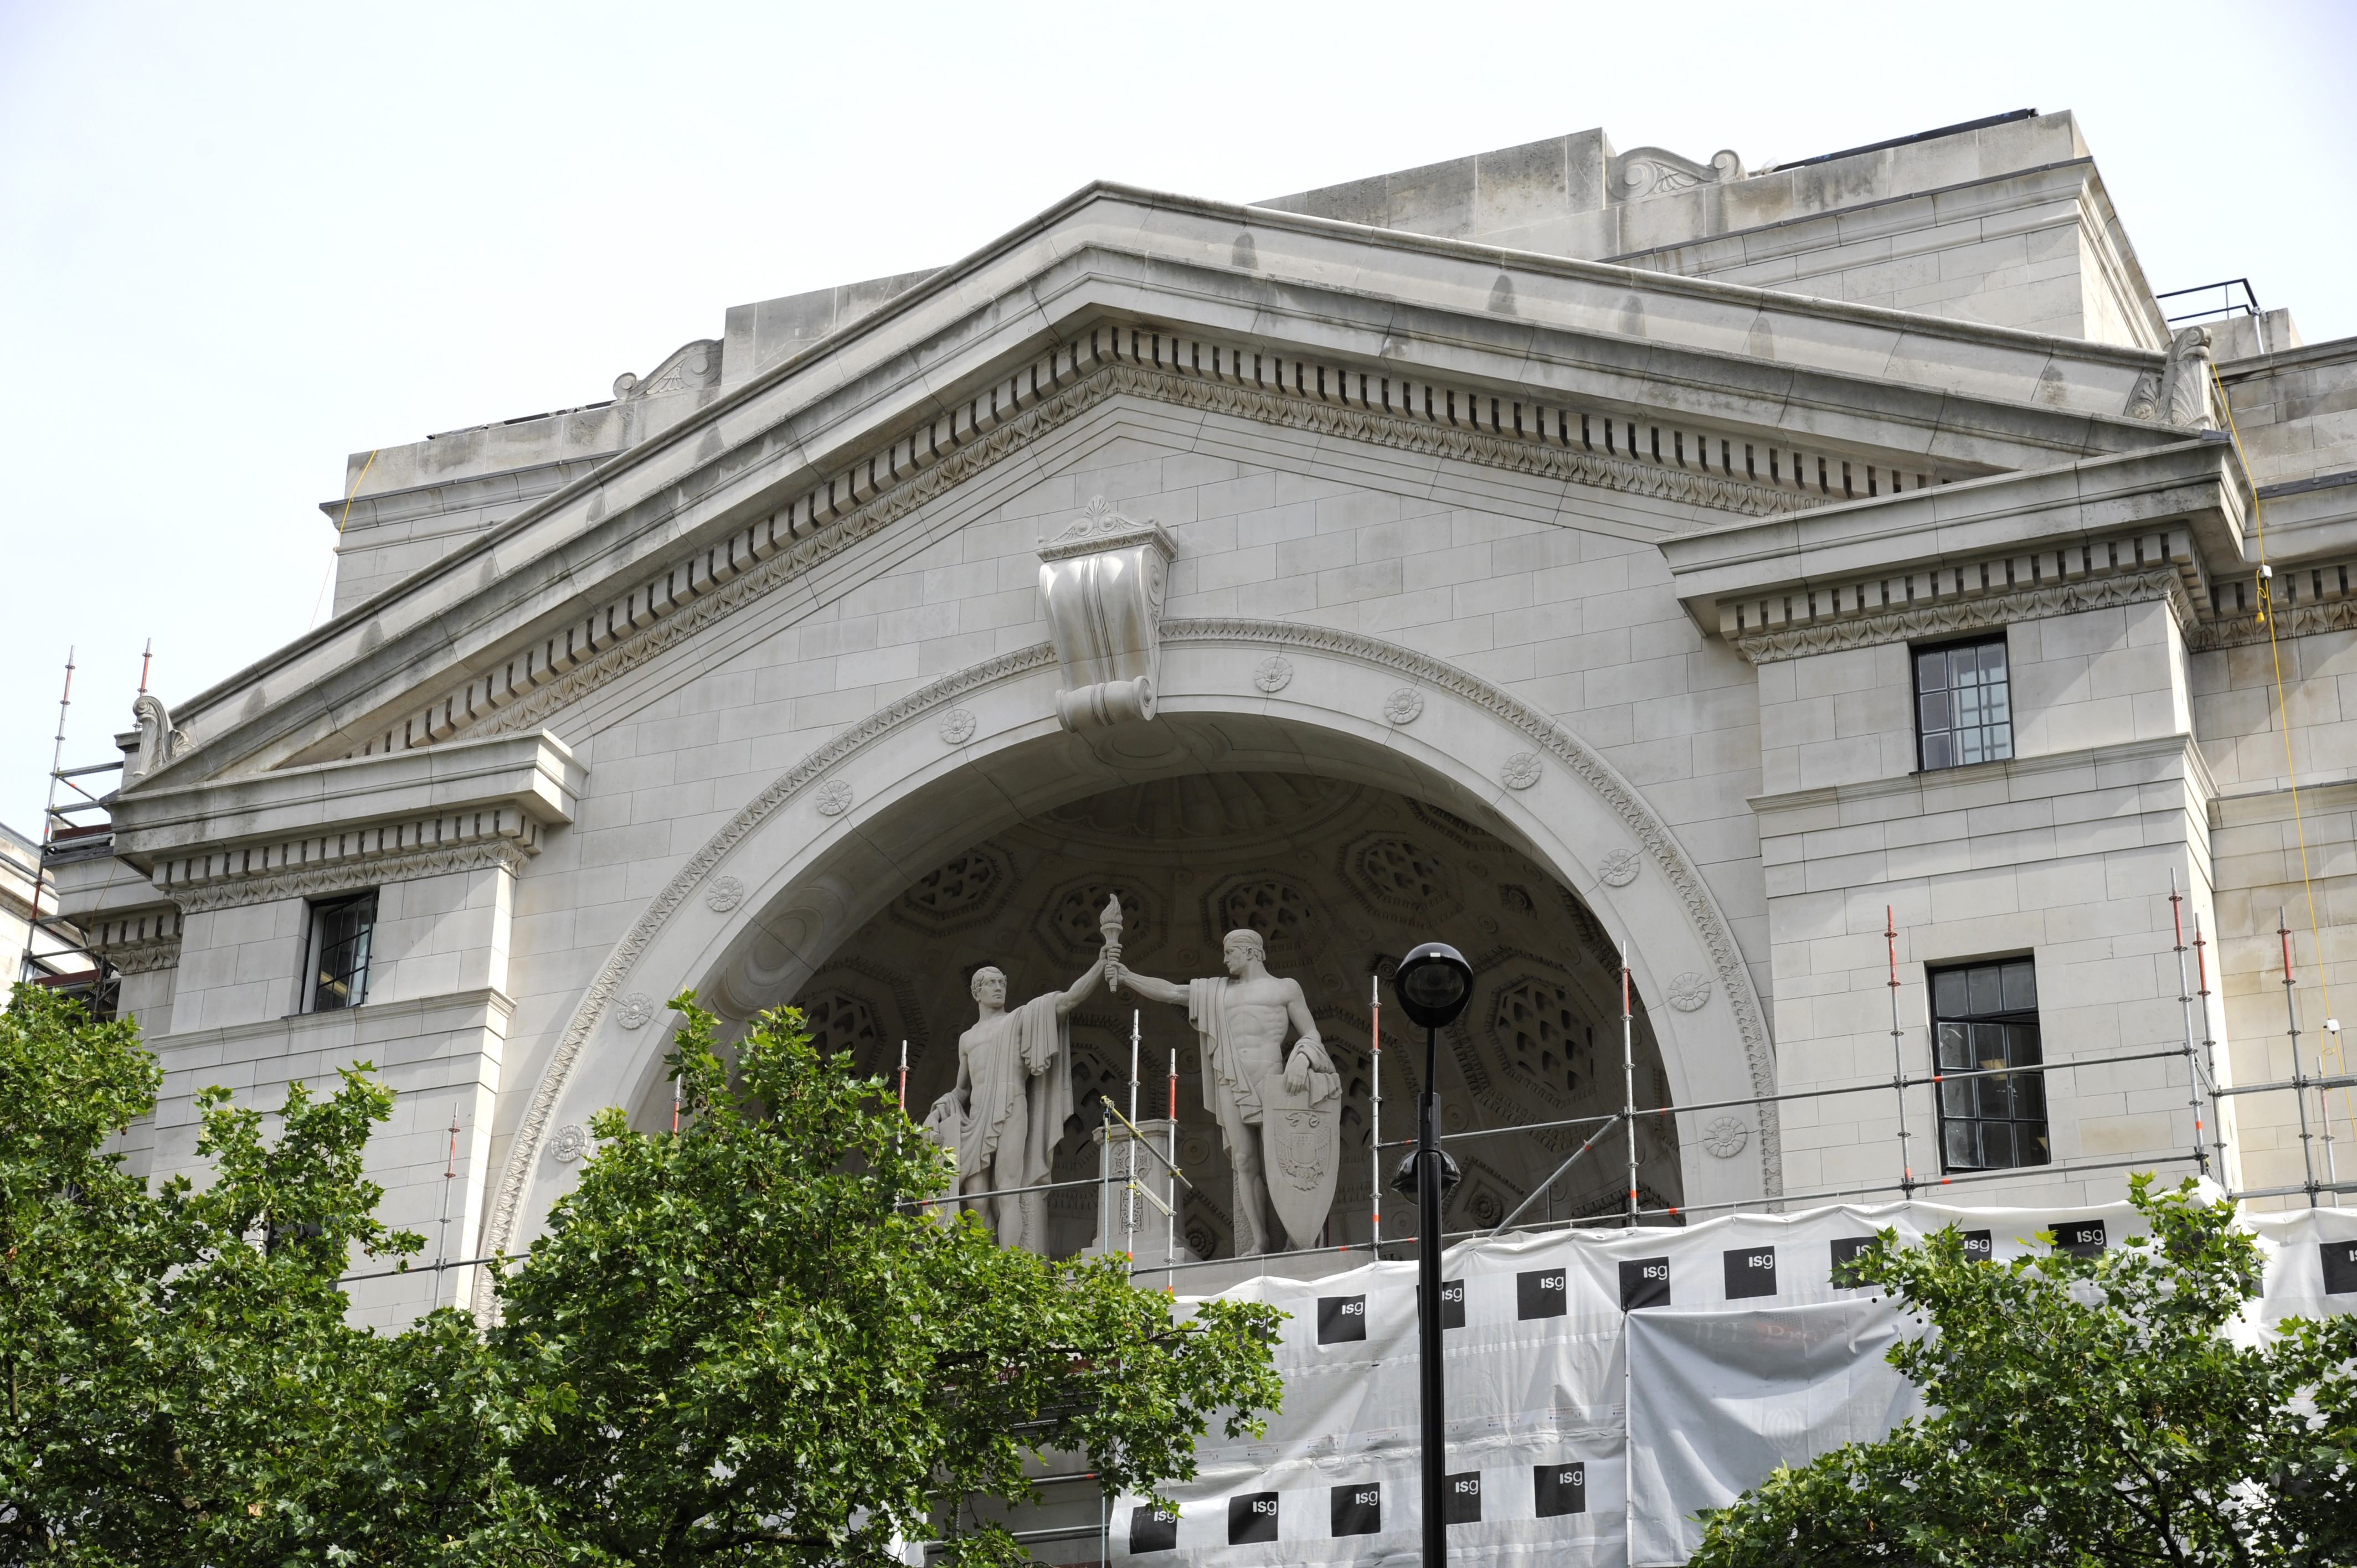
x=1103 y=581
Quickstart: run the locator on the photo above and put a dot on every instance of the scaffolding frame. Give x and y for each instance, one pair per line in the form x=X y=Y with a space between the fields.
x=2197 y=1054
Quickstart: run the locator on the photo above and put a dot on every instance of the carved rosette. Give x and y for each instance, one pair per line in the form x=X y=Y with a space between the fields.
x=1103 y=581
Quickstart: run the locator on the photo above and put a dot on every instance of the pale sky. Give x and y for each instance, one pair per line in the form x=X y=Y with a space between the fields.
x=240 y=242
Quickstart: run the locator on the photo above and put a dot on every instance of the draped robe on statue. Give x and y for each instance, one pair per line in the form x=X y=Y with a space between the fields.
x=1018 y=1070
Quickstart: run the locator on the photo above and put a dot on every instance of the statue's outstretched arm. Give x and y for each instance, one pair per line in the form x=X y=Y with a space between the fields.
x=1081 y=989
x=1154 y=990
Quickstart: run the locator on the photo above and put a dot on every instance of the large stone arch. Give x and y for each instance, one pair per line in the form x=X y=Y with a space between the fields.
x=762 y=904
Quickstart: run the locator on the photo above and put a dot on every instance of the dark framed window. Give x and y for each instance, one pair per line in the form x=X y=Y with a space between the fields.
x=341 y=935
x=1984 y=1021
x=1964 y=706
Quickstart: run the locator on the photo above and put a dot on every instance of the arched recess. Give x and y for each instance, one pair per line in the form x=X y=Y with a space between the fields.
x=768 y=897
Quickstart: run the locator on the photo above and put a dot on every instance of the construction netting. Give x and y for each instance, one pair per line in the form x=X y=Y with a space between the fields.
x=1603 y=1387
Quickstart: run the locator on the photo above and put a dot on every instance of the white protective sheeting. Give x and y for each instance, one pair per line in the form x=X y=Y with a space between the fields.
x=1743 y=1354
x=1717 y=1400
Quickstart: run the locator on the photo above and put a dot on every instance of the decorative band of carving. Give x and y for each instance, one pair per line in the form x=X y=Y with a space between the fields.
x=1917 y=621
x=1649 y=832
x=2301 y=621
x=141 y=958
x=766 y=566
x=346 y=875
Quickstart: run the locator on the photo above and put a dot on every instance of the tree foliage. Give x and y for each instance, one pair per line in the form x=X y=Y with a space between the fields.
x=181 y=1384
x=2086 y=1411
x=742 y=1342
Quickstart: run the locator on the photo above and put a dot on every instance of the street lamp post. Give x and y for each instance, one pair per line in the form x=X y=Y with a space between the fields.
x=1433 y=983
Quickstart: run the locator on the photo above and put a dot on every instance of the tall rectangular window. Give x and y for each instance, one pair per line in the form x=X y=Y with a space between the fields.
x=341 y=935
x=1963 y=709
x=1984 y=1021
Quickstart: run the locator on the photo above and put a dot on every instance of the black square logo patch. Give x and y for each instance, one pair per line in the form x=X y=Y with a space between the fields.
x=1251 y=1517
x=1645 y=1283
x=1341 y=1318
x=1980 y=1246
x=1460 y=1497
x=2080 y=1238
x=1452 y=1303
x=1151 y=1529
x=2340 y=1267
x=1358 y=1511
x=1750 y=1272
x=1544 y=1294
x=1560 y=1488
x=1845 y=1252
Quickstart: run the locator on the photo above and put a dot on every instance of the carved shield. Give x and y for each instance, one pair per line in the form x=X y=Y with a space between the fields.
x=1302 y=1140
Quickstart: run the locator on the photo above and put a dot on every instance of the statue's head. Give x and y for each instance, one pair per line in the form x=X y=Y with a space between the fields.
x=1243 y=947
x=989 y=985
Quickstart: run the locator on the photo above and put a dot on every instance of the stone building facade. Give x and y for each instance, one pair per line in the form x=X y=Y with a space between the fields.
x=1568 y=551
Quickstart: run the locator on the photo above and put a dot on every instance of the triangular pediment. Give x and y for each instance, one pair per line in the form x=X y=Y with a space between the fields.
x=1708 y=404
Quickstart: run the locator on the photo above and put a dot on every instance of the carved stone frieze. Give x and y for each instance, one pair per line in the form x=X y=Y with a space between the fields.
x=234 y=885
x=2298 y=620
x=802 y=546
x=1101 y=582
x=138 y=944
x=1915 y=621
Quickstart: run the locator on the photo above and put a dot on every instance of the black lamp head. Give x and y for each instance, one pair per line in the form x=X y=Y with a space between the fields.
x=1433 y=983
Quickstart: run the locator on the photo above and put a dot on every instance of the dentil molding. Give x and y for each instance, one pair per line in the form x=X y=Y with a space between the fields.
x=1915 y=621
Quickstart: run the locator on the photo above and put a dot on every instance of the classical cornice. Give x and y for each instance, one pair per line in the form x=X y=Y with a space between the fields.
x=1733 y=978
x=1914 y=622
x=1462 y=425
x=345 y=861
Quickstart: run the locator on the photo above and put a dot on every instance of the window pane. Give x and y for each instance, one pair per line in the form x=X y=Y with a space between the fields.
x=1939 y=751
x=2029 y=1098
x=1994 y=1097
x=1931 y=672
x=1986 y=991
x=341 y=936
x=1956 y=1146
x=1932 y=711
x=1954 y=1050
x=2033 y=1147
x=1956 y=1098
x=1992 y=660
x=1988 y=1045
x=1996 y=1145
x=2021 y=1045
x=2021 y=987
x=1948 y=994
x=2000 y=742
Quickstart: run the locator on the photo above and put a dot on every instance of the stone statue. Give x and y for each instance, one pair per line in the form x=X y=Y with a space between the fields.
x=1014 y=1094
x=1279 y=1117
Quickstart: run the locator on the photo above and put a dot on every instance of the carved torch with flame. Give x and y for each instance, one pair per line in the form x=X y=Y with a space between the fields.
x=1109 y=923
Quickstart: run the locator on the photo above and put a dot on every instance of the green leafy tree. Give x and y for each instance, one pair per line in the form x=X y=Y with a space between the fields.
x=2088 y=1411
x=181 y=1384
x=752 y=1348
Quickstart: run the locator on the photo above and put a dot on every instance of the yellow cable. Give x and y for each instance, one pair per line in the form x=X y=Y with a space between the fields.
x=2283 y=718
x=345 y=517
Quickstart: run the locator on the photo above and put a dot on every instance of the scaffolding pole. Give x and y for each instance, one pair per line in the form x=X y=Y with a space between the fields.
x=2300 y=1097
x=2185 y=1008
x=1629 y=1081
x=1376 y=1120
x=1898 y=1057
